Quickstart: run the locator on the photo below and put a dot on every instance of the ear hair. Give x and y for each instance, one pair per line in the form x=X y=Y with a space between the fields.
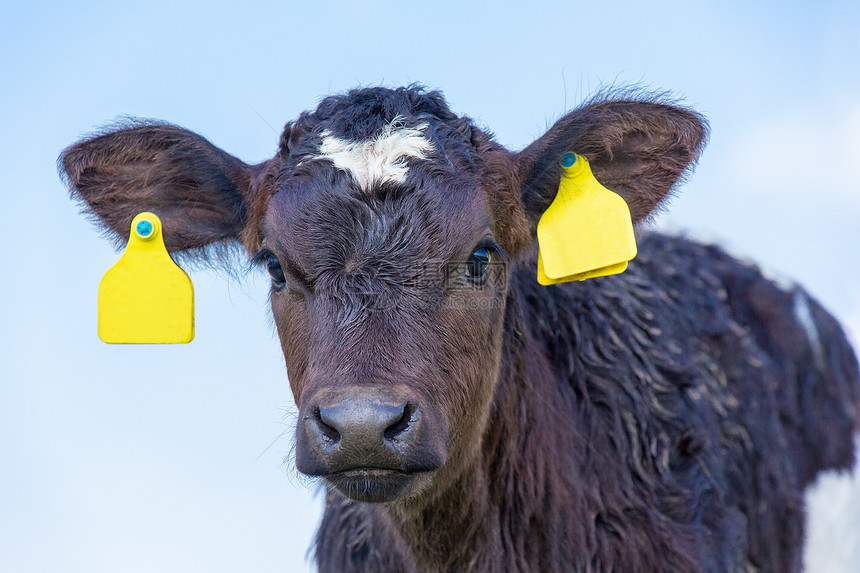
x=262 y=186
x=639 y=148
x=200 y=192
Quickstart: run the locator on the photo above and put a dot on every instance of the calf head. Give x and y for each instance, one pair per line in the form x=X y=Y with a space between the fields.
x=389 y=226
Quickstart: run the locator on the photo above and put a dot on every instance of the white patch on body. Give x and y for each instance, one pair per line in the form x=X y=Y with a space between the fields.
x=804 y=316
x=379 y=160
x=833 y=522
x=782 y=281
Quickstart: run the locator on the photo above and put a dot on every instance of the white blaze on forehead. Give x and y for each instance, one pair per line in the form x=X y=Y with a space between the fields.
x=378 y=160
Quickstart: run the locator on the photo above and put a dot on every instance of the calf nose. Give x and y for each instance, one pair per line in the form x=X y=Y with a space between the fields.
x=363 y=425
x=356 y=433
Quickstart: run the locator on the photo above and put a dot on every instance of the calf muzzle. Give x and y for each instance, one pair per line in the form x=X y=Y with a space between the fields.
x=370 y=448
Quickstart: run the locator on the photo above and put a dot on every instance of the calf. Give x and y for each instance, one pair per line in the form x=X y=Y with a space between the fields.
x=464 y=418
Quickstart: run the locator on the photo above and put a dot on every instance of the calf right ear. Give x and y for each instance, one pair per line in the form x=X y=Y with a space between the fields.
x=201 y=193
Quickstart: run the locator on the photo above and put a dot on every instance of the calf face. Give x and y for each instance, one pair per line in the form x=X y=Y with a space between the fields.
x=388 y=225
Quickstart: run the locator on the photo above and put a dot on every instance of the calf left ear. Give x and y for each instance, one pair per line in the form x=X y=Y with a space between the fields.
x=638 y=149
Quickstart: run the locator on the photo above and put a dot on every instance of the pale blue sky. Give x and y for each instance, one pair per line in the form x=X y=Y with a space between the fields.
x=131 y=459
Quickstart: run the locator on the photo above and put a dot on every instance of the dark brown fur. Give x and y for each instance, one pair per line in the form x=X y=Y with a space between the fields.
x=666 y=419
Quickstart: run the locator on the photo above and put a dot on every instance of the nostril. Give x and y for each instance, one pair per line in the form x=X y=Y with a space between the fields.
x=408 y=417
x=328 y=430
x=363 y=424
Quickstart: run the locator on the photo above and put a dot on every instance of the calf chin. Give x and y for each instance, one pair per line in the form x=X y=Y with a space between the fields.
x=375 y=485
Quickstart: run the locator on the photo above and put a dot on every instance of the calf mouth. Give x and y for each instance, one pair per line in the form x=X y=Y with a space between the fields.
x=373 y=485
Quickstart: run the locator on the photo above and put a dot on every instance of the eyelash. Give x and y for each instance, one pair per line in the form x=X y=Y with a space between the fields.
x=259 y=259
x=266 y=258
x=495 y=254
x=493 y=247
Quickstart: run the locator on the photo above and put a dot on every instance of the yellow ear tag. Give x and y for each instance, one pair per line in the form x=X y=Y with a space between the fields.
x=586 y=232
x=145 y=298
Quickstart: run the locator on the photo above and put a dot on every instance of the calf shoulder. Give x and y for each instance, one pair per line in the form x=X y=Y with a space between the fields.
x=720 y=392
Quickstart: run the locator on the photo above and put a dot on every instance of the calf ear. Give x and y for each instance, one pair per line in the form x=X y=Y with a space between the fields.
x=636 y=148
x=201 y=194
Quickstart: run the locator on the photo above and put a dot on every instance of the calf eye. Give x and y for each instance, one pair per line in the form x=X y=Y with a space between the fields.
x=275 y=270
x=477 y=265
